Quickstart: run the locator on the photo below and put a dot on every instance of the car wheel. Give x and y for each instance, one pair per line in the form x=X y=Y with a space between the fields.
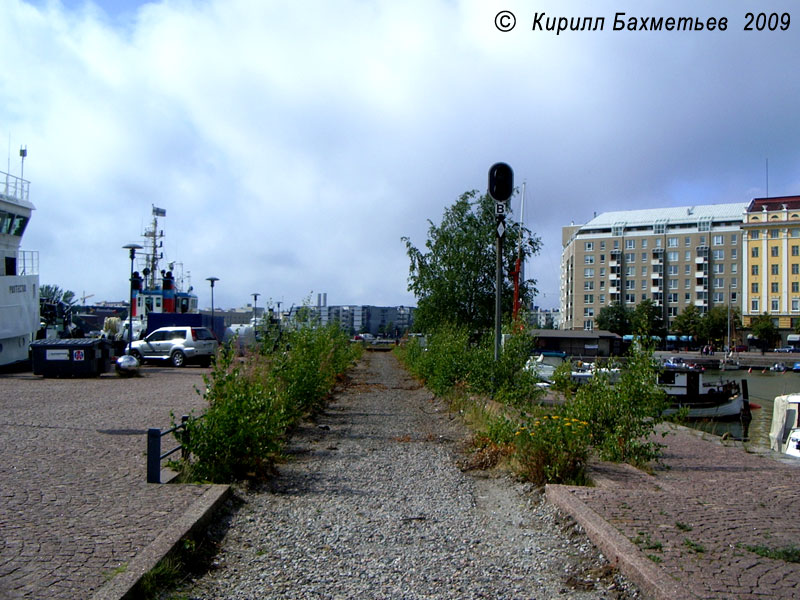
x=137 y=355
x=205 y=361
x=178 y=359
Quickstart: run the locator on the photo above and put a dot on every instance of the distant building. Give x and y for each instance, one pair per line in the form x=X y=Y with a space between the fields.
x=544 y=318
x=771 y=261
x=674 y=257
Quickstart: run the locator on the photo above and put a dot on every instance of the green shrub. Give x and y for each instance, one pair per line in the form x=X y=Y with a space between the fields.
x=252 y=403
x=622 y=417
x=553 y=449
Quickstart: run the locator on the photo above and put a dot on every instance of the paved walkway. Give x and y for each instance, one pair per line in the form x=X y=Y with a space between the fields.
x=76 y=515
x=685 y=532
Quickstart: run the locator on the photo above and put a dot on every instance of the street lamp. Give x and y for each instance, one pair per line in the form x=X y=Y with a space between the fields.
x=255 y=296
x=212 y=281
x=126 y=365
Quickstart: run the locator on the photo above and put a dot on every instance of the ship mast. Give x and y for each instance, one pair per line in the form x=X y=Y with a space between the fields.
x=153 y=239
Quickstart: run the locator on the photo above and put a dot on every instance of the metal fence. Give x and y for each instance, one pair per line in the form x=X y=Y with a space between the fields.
x=154 y=455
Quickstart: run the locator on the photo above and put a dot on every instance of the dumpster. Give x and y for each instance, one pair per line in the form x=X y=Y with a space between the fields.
x=79 y=357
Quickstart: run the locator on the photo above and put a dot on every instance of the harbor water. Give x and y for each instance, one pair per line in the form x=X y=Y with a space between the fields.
x=763 y=386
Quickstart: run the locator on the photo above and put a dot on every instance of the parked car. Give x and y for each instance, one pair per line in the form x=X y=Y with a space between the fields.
x=178 y=345
x=785 y=349
x=740 y=348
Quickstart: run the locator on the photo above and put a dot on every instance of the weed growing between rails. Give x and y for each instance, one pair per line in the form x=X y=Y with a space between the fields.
x=254 y=401
x=544 y=444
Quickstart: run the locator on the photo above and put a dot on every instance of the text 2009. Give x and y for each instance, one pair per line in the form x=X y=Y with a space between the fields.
x=764 y=21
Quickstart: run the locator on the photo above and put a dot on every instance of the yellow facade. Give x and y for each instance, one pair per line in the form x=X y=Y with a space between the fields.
x=771 y=261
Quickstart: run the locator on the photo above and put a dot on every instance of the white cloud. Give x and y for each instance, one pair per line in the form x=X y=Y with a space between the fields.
x=293 y=144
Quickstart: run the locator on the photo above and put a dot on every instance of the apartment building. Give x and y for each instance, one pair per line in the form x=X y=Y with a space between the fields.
x=771 y=260
x=676 y=257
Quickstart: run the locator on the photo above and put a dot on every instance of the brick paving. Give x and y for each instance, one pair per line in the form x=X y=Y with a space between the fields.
x=695 y=518
x=75 y=509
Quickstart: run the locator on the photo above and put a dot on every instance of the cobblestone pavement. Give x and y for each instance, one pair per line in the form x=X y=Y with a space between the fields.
x=700 y=516
x=74 y=505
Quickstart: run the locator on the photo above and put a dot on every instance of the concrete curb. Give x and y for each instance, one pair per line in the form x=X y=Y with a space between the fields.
x=122 y=586
x=653 y=582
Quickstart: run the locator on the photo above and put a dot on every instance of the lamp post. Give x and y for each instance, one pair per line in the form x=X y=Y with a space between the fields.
x=255 y=296
x=212 y=281
x=133 y=248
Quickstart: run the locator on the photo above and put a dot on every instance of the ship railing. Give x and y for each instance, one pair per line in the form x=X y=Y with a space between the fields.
x=28 y=262
x=16 y=187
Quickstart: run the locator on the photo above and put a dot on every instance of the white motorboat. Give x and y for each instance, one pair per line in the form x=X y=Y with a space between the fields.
x=784 y=434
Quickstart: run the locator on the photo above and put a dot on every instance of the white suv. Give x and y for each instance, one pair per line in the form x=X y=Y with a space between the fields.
x=178 y=345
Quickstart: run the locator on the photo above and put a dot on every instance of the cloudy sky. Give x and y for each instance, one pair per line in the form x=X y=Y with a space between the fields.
x=293 y=143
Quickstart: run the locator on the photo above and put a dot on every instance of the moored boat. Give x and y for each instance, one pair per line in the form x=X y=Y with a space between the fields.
x=784 y=434
x=19 y=274
x=687 y=388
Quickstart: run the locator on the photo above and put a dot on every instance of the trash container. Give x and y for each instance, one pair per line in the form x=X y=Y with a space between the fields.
x=79 y=357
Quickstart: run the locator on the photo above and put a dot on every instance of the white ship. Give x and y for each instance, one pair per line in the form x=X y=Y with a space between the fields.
x=19 y=273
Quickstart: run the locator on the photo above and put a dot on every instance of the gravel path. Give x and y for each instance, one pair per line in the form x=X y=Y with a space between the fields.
x=371 y=504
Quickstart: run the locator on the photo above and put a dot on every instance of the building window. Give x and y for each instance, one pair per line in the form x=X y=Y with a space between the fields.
x=687 y=256
x=754 y=287
x=734 y=254
x=672 y=242
x=644 y=271
x=687 y=269
x=672 y=284
x=672 y=269
x=644 y=284
x=773 y=234
x=734 y=282
x=754 y=252
x=687 y=284
x=775 y=305
x=630 y=298
x=588 y=325
x=774 y=269
x=795 y=269
x=719 y=283
x=717 y=240
x=672 y=311
x=719 y=254
x=602 y=245
x=588 y=259
x=644 y=244
x=734 y=267
x=630 y=244
x=672 y=256
x=754 y=234
x=602 y=271
x=588 y=312
x=718 y=297
x=588 y=272
x=795 y=304
x=687 y=241
x=773 y=250
x=630 y=284
x=630 y=257
x=774 y=287
x=795 y=287
x=795 y=250
x=630 y=271
x=588 y=246
x=704 y=224
x=672 y=298
x=753 y=269
x=602 y=258
x=659 y=227
x=718 y=268
x=754 y=305
x=588 y=285
x=588 y=298
x=734 y=239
